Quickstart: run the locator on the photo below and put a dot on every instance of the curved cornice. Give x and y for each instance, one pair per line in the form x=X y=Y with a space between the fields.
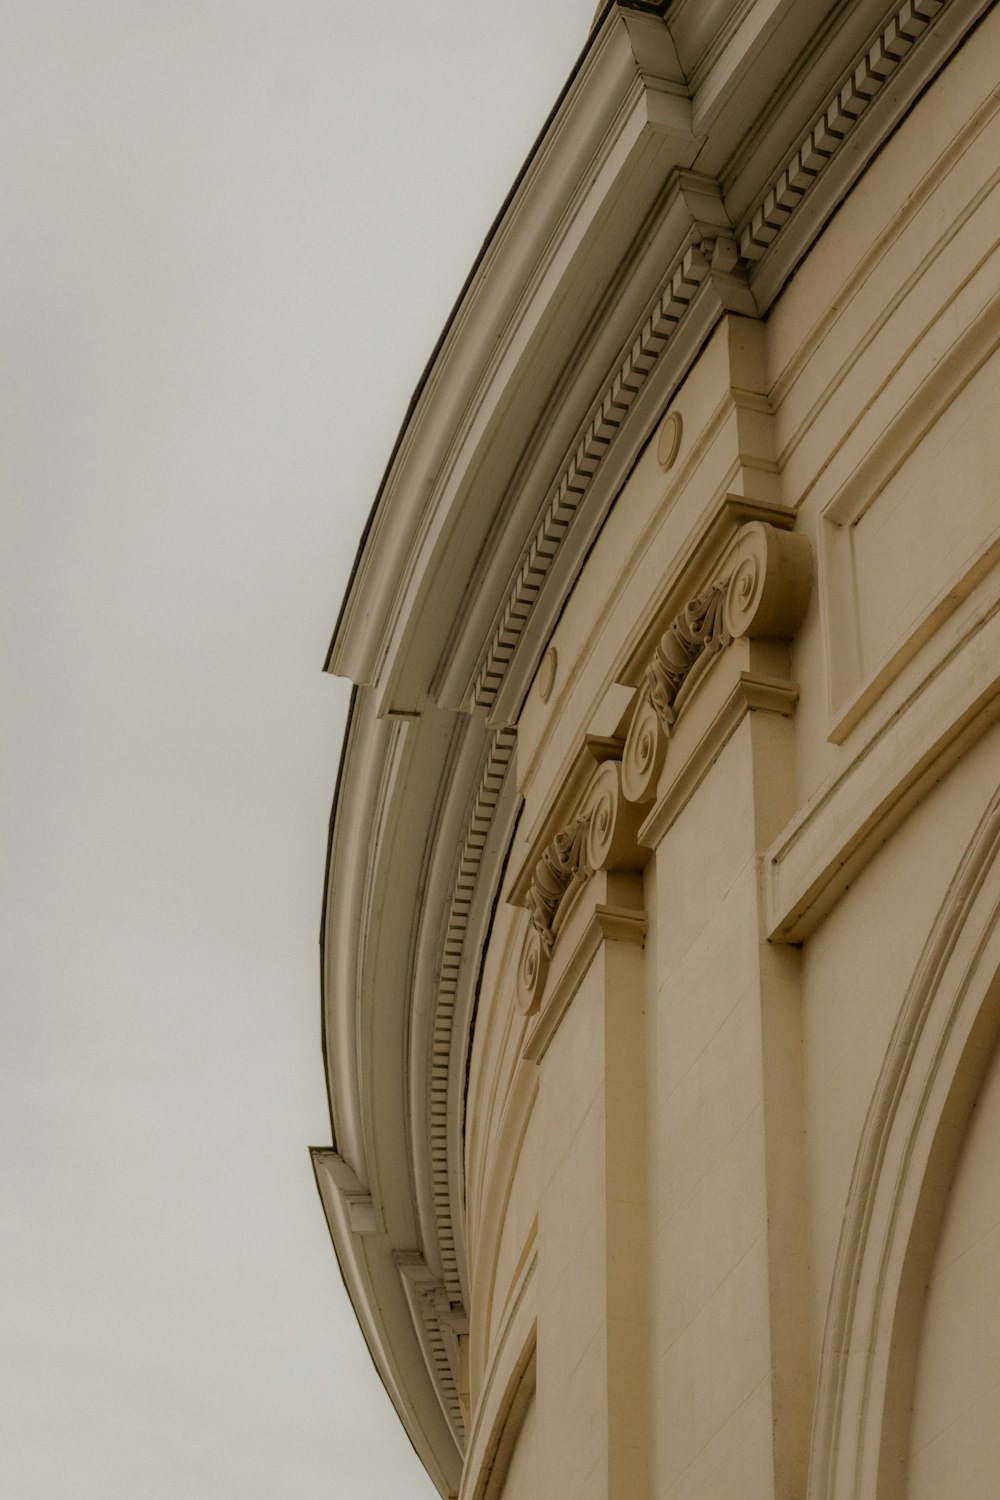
x=685 y=171
x=398 y=985
x=813 y=177
x=439 y=1121
x=604 y=123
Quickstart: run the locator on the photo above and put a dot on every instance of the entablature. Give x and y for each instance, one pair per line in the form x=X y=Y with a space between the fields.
x=663 y=210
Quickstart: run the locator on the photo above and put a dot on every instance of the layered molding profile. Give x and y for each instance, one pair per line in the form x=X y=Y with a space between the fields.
x=922 y=734
x=850 y=100
x=491 y=786
x=566 y=350
x=731 y=260
x=760 y=591
x=439 y=1304
x=697 y=260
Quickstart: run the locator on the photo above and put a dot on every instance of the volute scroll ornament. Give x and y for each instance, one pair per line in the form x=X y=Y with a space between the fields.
x=602 y=836
x=611 y=825
x=563 y=861
x=645 y=749
x=763 y=591
x=699 y=627
x=532 y=971
x=770 y=578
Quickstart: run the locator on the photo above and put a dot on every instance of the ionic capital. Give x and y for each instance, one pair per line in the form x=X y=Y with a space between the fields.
x=762 y=589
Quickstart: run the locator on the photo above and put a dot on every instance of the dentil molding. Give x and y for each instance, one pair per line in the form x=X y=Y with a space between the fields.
x=728 y=258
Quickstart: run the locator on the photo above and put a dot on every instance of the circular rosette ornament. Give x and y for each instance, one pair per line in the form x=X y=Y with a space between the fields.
x=532 y=971
x=642 y=758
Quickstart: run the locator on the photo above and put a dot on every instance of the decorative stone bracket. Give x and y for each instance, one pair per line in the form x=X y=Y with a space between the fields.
x=761 y=589
x=603 y=836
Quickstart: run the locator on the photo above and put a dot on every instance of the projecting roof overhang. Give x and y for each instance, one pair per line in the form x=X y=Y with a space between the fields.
x=695 y=154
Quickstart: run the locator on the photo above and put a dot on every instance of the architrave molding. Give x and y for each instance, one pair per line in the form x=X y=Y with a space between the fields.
x=438 y=1328
x=439 y=1303
x=846 y=106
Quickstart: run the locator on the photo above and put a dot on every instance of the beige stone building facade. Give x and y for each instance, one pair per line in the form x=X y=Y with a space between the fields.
x=661 y=947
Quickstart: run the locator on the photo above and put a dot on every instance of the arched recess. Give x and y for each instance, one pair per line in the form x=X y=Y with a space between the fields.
x=512 y=1430
x=938 y=1054
x=954 y=1441
x=508 y=1388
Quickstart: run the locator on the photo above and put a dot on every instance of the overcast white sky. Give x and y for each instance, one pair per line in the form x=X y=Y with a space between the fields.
x=232 y=232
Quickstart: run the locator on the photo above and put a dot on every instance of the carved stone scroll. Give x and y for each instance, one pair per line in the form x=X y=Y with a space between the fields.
x=532 y=971
x=561 y=863
x=769 y=581
x=601 y=837
x=763 y=590
x=699 y=627
x=645 y=747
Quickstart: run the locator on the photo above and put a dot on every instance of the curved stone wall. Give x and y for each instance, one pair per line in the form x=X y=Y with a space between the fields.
x=665 y=888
